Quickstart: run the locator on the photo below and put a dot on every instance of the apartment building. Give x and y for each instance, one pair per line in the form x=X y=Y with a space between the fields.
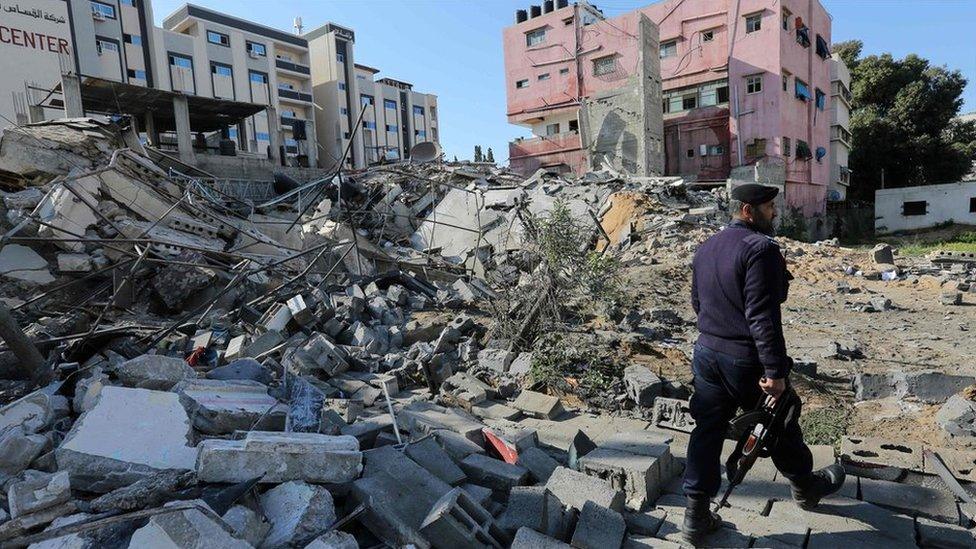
x=840 y=129
x=212 y=54
x=744 y=82
x=394 y=116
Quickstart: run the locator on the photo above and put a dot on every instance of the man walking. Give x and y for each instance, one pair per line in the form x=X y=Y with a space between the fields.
x=739 y=281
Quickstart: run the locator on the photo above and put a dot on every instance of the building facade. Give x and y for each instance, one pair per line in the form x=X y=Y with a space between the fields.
x=394 y=117
x=743 y=81
x=840 y=129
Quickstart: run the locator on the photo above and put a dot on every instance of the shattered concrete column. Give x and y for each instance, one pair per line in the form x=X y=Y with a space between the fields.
x=184 y=136
x=313 y=153
x=150 y=127
x=274 y=133
x=71 y=88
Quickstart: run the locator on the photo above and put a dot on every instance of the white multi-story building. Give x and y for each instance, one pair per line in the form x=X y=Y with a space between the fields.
x=840 y=129
x=395 y=119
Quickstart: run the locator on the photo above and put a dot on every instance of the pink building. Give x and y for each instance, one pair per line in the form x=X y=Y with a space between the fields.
x=744 y=82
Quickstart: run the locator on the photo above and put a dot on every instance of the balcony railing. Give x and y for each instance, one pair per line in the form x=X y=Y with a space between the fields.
x=292 y=94
x=294 y=67
x=550 y=144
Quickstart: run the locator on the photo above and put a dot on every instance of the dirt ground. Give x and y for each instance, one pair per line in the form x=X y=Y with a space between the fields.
x=917 y=333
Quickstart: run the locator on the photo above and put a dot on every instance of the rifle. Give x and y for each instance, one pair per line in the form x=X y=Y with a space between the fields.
x=757 y=432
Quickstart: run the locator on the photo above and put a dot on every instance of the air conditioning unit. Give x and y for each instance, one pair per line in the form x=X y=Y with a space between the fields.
x=253 y=55
x=97 y=16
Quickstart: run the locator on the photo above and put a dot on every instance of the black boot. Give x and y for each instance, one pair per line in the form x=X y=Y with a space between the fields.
x=699 y=521
x=810 y=489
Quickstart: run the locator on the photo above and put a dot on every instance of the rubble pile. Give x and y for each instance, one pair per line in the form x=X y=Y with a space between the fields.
x=187 y=368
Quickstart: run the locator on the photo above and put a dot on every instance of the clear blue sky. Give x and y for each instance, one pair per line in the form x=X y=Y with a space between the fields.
x=452 y=48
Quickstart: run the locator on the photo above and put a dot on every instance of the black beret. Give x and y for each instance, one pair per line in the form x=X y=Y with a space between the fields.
x=754 y=193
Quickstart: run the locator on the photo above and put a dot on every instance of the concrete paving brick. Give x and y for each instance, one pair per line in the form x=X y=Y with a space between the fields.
x=574 y=489
x=478 y=493
x=911 y=499
x=598 y=528
x=724 y=537
x=456 y=445
x=534 y=507
x=493 y=473
x=779 y=533
x=645 y=523
x=539 y=463
x=493 y=409
x=456 y=520
x=423 y=417
x=429 y=455
x=639 y=476
x=962 y=463
x=848 y=523
x=646 y=542
x=527 y=538
x=938 y=534
x=878 y=451
x=538 y=405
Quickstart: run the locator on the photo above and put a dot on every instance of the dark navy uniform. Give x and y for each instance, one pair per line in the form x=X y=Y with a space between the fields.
x=739 y=282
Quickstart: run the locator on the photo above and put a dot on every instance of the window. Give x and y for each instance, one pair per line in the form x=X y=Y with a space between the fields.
x=365 y=99
x=141 y=75
x=135 y=39
x=716 y=150
x=180 y=61
x=218 y=38
x=803 y=150
x=232 y=133
x=787 y=146
x=522 y=84
x=690 y=153
x=786 y=19
x=757 y=147
x=369 y=125
x=106 y=45
x=391 y=128
x=823 y=50
x=256 y=49
x=802 y=91
x=972 y=205
x=689 y=102
x=345 y=135
x=534 y=37
x=708 y=36
x=417 y=109
x=754 y=83
x=285 y=86
x=103 y=11
x=917 y=207
x=803 y=36
x=389 y=104
x=604 y=65
x=708 y=97
x=786 y=80
x=259 y=77
x=669 y=48
x=341 y=57
x=821 y=101
x=343 y=110
x=552 y=129
x=433 y=112
x=263 y=136
x=128 y=2
x=753 y=22
x=544 y=76
x=289 y=114
x=574 y=125
x=342 y=85
x=723 y=94
x=221 y=70
x=563 y=72
x=420 y=133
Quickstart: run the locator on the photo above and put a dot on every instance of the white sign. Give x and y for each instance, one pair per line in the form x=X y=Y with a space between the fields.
x=34 y=34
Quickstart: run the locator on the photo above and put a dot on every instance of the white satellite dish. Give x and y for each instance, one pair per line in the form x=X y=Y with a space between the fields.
x=425 y=151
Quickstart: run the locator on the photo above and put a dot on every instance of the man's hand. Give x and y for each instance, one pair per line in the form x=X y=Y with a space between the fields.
x=773 y=387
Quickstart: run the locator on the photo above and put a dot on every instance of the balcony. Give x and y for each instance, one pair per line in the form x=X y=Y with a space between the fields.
x=560 y=151
x=293 y=67
x=294 y=95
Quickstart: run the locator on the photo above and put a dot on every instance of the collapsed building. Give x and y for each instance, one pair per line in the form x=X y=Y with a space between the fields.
x=355 y=361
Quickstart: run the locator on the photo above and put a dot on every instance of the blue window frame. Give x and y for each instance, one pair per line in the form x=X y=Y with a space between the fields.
x=257 y=49
x=104 y=10
x=218 y=38
x=417 y=109
x=137 y=74
x=263 y=136
x=821 y=99
x=389 y=104
x=259 y=77
x=366 y=99
x=291 y=142
x=128 y=2
x=180 y=61
x=369 y=125
x=342 y=85
x=421 y=133
x=391 y=128
x=133 y=39
x=221 y=70
x=802 y=91
x=232 y=132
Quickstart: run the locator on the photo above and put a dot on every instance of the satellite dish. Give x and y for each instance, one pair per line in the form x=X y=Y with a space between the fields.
x=425 y=151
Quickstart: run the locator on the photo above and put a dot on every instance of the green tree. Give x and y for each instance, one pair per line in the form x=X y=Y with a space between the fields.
x=490 y=157
x=477 y=154
x=903 y=125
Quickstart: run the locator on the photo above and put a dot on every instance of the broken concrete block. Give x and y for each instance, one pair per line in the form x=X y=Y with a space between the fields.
x=40 y=492
x=280 y=457
x=465 y=388
x=429 y=455
x=939 y=534
x=156 y=372
x=456 y=445
x=958 y=416
x=242 y=369
x=234 y=348
x=493 y=409
x=910 y=499
x=579 y=447
x=645 y=523
x=262 y=344
x=522 y=365
x=198 y=526
x=640 y=476
x=24 y=264
x=336 y=539
x=347 y=409
x=929 y=386
x=22 y=524
x=533 y=507
x=18 y=450
x=538 y=405
x=221 y=407
x=498 y=360
x=574 y=489
x=527 y=538
x=950 y=297
x=598 y=528
x=883 y=254
x=493 y=473
x=300 y=312
x=674 y=414
x=74 y=263
x=316 y=354
x=246 y=524
x=128 y=435
x=875 y=451
x=643 y=386
x=538 y=463
x=456 y=520
x=33 y=412
x=422 y=417
x=299 y=512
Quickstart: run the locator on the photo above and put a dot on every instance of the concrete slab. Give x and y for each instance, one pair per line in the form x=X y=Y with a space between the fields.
x=335 y=539
x=911 y=499
x=246 y=524
x=598 y=528
x=848 y=523
x=538 y=405
x=773 y=533
x=223 y=406
x=196 y=527
x=422 y=417
x=40 y=492
x=539 y=464
x=878 y=451
x=298 y=512
x=671 y=527
x=639 y=476
x=938 y=534
x=155 y=372
x=527 y=538
x=128 y=435
x=493 y=473
x=280 y=457
x=574 y=489
x=534 y=507
x=429 y=455
x=645 y=523
x=24 y=265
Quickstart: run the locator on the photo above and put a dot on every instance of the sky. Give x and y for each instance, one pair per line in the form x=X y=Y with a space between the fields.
x=453 y=49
